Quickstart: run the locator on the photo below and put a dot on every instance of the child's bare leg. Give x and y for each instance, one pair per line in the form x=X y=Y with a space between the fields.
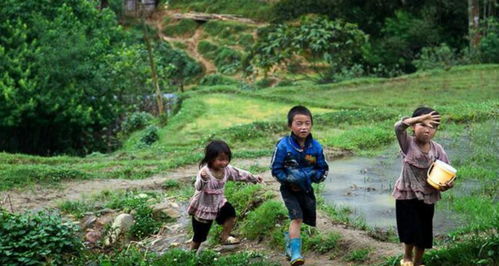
x=294 y=228
x=418 y=256
x=195 y=245
x=227 y=228
x=408 y=252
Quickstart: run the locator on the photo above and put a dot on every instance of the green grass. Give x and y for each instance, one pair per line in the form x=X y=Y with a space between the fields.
x=185 y=28
x=257 y=10
x=359 y=255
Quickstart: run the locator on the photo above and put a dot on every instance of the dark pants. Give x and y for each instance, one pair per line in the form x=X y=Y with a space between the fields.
x=300 y=205
x=201 y=229
x=415 y=222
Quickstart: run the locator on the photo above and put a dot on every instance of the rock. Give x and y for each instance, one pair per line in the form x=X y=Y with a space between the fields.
x=88 y=221
x=121 y=224
x=170 y=209
x=172 y=213
x=105 y=219
x=93 y=236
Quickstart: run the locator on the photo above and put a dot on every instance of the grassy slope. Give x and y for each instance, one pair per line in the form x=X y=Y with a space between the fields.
x=355 y=115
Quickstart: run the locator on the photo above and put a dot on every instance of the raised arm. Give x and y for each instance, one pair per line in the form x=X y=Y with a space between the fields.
x=401 y=133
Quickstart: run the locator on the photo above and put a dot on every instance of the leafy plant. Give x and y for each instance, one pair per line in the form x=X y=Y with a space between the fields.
x=135 y=121
x=359 y=255
x=37 y=238
x=150 y=135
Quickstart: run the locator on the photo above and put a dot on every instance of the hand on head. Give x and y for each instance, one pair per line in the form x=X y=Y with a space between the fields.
x=430 y=120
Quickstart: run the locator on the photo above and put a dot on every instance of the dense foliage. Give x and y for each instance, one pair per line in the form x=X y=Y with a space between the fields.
x=35 y=239
x=318 y=39
x=68 y=72
x=55 y=62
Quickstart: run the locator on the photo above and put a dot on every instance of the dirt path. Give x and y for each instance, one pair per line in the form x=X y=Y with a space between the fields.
x=351 y=239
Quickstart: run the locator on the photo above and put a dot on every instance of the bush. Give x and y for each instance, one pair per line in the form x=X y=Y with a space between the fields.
x=436 y=57
x=40 y=238
x=135 y=121
x=150 y=135
x=489 y=48
x=476 y=251
x=228 y=61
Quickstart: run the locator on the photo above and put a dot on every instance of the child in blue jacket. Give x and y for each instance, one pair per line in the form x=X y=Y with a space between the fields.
x=298 y=161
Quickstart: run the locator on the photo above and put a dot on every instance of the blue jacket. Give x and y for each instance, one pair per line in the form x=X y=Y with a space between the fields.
x=292 y=164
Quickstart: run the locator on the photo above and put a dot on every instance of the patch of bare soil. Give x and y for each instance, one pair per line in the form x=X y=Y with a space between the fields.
x=40 y=197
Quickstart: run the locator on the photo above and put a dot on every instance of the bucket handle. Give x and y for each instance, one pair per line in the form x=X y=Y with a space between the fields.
x=429 y=169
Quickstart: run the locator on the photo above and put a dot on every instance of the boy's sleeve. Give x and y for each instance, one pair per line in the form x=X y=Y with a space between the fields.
x=321 y=168
x=277 y=163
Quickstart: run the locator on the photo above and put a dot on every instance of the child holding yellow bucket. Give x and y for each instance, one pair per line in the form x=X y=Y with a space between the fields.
x=415 y=197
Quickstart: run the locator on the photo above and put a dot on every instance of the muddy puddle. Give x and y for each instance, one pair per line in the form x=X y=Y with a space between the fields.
x=364 y=185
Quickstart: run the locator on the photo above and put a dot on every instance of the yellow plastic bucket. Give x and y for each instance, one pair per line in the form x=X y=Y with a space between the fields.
x=440 y=174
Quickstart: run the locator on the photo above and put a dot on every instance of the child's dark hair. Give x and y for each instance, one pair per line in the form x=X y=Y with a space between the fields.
x=298 y=110
x=422 y=110
x=212 y=150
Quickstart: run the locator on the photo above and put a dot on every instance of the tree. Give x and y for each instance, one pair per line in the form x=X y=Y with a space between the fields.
x=55 y=63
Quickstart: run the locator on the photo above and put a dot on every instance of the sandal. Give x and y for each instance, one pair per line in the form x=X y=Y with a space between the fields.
x=231 y=241
x=405 y=263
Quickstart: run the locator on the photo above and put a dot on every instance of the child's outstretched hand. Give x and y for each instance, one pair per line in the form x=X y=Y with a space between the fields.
x=259 y=179
x=429 y=120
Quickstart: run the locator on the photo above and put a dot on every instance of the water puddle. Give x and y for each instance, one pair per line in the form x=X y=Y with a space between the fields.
x=364 y=185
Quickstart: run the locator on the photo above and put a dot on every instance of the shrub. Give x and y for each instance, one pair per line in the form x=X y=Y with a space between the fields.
x=135 y=121
x=145 y=224
x=36 y=238
x=489 y=48
x=436 y=57
x=150 y=135
x=228 y=61
x=479 y=250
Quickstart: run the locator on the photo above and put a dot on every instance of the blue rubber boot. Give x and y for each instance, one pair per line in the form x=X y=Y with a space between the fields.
x=296 y=257
x=287 y=246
